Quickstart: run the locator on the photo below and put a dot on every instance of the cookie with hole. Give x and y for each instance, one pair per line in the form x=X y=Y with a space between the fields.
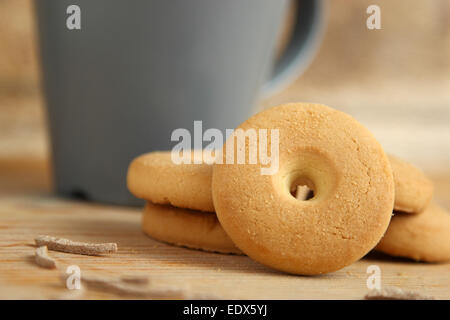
x=334 y=156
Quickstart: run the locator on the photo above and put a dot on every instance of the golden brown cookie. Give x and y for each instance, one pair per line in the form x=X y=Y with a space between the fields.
x=332 y=154
x=156 y=178
x=413 y=190
x=422 y=237
x=187 y=228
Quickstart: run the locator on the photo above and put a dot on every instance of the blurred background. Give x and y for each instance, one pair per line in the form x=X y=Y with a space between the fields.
x=396 y=81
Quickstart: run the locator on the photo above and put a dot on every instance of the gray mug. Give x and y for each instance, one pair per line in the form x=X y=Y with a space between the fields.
x=137 y=70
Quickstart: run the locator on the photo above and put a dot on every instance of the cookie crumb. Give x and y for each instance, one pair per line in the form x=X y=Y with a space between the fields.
x=69 y=246
x=395 y=293
x=43 y=259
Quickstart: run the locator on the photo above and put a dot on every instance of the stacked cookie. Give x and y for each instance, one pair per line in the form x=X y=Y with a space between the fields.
x=343 y=207
x=419 y=229
x=179 y=207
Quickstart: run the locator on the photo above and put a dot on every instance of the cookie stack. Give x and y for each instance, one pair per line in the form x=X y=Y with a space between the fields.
x=179 y=207
x=352 y=189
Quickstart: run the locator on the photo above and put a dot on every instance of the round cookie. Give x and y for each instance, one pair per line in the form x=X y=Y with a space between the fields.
x=187 y=228
x=422 y=237
x=333 y=155
x=413 y=190
x=156 y=178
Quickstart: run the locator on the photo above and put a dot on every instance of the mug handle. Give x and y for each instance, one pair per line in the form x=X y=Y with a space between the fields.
x=302 y=47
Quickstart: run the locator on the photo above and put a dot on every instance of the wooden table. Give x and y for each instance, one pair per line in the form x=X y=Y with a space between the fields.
x=35 y=210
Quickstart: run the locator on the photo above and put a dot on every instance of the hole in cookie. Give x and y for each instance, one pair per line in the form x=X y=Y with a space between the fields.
x=307 y=175
x=302 y=189
x=302 y=193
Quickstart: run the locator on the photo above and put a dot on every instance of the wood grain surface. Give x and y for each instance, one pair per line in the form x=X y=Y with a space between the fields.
x=222 y=276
